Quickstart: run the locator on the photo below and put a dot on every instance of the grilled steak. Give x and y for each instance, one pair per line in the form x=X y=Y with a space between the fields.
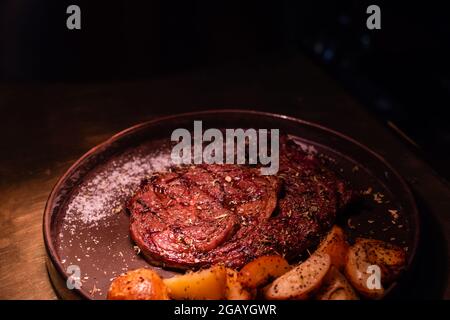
x=206 y=214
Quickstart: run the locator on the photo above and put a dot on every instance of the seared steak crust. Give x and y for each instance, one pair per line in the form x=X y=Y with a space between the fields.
x=206 y=214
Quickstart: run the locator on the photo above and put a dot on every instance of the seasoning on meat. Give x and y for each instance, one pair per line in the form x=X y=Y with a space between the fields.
x=203 y=215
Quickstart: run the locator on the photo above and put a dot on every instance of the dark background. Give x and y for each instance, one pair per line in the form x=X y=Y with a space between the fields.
x=401 y=72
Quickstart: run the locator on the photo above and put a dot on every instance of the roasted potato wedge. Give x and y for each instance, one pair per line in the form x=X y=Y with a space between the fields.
x=200 y=285
x=302 y=281
x=336 y=287
x=356 y=271
x=235 y=290
x=367 y=253
x=262 y=270
x=336 y=246
x=390 y=258
x=139 y=284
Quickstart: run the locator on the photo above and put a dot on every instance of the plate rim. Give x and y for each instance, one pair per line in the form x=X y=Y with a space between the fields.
x=47 y=217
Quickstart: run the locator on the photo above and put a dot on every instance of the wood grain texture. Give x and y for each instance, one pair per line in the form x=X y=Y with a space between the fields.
x=22 y=271
x=46 y=127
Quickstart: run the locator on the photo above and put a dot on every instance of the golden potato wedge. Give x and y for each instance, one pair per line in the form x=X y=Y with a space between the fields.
x=336 y=287
x=201 y=285
x=262 y=270
x=357 y=273
x=234 y=289
x=302 y=281
x=390 y=258
x=336 y=246
x=139 y=284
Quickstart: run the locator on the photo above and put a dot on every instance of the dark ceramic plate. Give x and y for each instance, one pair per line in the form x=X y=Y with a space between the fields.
x=86 y=227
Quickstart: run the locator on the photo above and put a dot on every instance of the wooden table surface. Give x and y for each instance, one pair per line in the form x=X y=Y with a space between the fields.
x=46 y=127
